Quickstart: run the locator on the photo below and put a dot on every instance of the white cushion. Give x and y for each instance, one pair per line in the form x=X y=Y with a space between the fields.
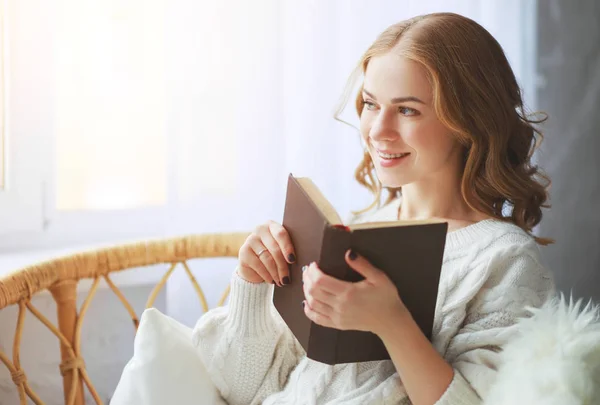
x=165 y=367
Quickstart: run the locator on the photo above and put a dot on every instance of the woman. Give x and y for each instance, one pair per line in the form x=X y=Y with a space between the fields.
x=442 y=118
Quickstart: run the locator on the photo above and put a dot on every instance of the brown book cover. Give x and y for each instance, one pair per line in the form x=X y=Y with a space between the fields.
x=409 y=252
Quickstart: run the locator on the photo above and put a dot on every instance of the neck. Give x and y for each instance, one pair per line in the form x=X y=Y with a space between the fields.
x=438 y=198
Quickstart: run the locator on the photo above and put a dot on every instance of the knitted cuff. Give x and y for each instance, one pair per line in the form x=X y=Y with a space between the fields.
x=250 y=308
x=459 y=392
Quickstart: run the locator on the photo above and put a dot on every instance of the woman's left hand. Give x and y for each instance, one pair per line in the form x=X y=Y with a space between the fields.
x=367 y=305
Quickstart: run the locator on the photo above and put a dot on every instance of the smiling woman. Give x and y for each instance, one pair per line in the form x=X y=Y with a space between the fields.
x=448 y=121
x=452 y=136
x=247 y=91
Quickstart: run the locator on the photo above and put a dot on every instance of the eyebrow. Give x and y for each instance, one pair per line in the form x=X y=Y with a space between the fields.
x=397 y=99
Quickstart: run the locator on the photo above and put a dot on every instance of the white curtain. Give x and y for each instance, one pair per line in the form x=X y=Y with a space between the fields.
x=251 y=89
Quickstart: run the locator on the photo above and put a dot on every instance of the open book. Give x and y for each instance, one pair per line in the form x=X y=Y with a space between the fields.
x=410 y=253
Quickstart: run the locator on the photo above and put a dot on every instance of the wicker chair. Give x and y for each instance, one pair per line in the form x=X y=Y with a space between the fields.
x=60 y=277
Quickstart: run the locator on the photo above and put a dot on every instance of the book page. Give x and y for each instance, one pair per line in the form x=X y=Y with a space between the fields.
x=320 y=201
x=388 y=224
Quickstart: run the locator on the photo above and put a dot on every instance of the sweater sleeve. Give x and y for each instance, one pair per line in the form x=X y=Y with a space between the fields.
x=512 y=281
x=246 y=347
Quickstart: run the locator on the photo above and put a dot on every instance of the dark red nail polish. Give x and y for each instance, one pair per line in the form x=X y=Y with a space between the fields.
x=286 y=280
x=291 y=258
x=352 y=255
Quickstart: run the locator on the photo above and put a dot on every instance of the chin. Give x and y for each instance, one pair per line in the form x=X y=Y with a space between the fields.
x=392 y=180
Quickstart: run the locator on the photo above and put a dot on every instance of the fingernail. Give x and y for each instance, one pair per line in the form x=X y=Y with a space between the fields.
x=304 y=268
x=292 y=258
x=286 y=280
x=273 y=282
x=352 y=255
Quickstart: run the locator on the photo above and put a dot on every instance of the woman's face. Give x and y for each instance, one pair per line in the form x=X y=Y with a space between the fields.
x=407 y=142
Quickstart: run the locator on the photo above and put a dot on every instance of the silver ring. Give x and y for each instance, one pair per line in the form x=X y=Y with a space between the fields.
x=261 y=252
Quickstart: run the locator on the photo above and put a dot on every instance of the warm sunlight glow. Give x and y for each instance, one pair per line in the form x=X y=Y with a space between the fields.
x=209 y=123
x=110 y=105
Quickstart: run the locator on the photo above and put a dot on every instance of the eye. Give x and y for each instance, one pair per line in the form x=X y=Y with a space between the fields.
x=369 y=105
x=407 y=111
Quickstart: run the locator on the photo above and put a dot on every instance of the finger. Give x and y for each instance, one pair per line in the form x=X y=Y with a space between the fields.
x=276 y=253
x=318 y=305
x=317 y=293
x=363 y=266
x=317 y=317
x=263 y=273
x=324 y=281
x=263 y=255
x=282 y=237
x=249 y=260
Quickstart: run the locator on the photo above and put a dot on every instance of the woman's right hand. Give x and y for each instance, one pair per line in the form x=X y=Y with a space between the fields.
x=265 y=255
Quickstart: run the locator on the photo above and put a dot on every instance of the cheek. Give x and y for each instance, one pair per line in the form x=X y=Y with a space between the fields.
x=427 y=139
x=418 y=137
x=365 y=125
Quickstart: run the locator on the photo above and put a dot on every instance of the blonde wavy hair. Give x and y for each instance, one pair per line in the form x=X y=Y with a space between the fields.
x=476 y=96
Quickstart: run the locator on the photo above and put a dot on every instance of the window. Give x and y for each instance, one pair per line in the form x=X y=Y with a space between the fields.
x=115 y=126
x=110 y=105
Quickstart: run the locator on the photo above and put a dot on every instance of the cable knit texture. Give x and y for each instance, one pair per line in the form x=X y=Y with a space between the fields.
x=491 y=271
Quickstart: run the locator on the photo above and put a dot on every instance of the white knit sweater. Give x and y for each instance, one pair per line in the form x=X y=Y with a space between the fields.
x=491 y=271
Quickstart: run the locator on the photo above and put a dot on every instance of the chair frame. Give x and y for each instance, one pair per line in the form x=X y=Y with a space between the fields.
x=61 y=276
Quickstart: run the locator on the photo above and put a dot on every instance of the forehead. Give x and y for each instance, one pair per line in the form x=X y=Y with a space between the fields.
x=391 y=75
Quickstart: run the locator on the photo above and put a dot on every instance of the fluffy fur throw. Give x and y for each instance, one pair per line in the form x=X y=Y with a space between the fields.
x=554 y=360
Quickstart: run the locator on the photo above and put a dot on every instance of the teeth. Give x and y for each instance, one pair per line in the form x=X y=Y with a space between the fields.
x=392 y=156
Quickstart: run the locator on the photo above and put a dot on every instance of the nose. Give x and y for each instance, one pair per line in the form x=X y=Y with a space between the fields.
x=384 y=127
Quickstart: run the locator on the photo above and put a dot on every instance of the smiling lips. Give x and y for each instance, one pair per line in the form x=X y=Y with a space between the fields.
x=387 y=159
x=385 y=155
